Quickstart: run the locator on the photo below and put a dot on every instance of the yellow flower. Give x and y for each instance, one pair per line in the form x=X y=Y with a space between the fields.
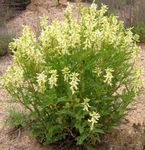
x=74 y=82
x=94 y=119
x=68 y=12
x=41 y=80
x=65 y=72
x=13 y=77
x=137 y=80
x=108 y=76
x=44 y=22
x=86 y=104
x=97 y=71
x=53 y=78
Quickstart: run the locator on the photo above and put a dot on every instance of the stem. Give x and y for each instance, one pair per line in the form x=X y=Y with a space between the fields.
x=71 y=133
x=81 y=79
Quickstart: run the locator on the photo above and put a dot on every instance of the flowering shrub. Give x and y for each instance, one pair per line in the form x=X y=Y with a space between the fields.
x=77 y=78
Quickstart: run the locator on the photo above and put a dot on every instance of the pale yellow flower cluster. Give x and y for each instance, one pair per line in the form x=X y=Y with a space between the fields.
x=13 y=77
x=89 y=22
x=97 y=71
x=86 y=104
x=44 y=22
x=73 y=77
x=74 y=82
x=68 y=11
x=137 y=82
x=108 y=76
x=41 y=80
x=136 y=53
x=53 y=78
x=26 y=47
x=94 y=119
x=66 y=73
x=62 y=35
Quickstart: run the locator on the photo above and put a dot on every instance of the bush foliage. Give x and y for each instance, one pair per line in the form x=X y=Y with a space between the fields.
x=77 y=78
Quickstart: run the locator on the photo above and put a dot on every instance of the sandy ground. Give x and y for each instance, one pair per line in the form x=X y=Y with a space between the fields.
x=32 y=15
x=128 y=136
